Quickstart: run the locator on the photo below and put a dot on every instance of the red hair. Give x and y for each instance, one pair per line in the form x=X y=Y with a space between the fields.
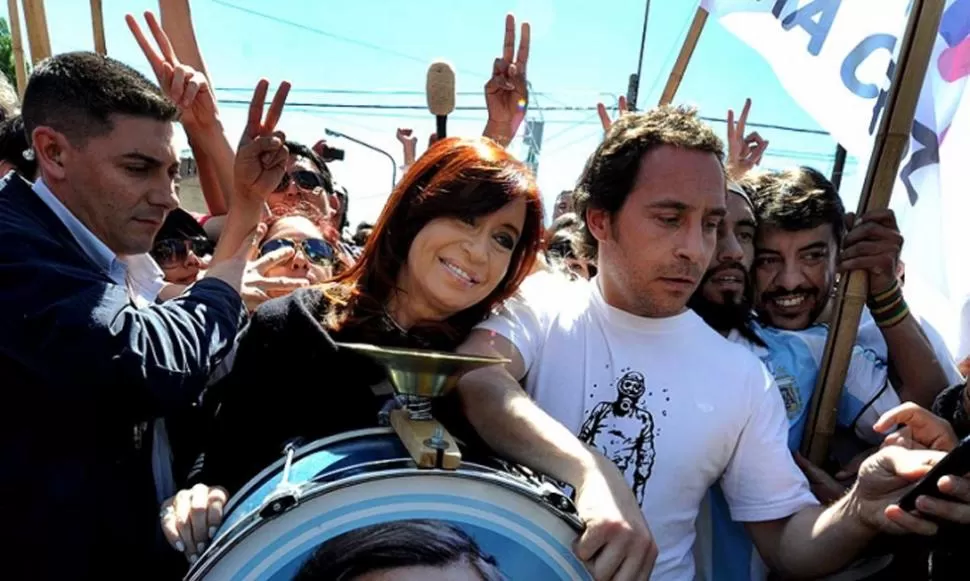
x=462 y=178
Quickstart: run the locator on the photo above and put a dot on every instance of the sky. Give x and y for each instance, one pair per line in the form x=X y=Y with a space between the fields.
x=354 y=64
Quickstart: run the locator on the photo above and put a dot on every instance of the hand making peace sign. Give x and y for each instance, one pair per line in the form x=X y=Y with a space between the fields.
x=507 y=93
x=744 y=151
x=262 y=154
x=187 y=87
x=622 y=110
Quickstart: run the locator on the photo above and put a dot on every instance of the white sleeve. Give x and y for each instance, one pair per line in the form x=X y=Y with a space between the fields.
x=762 y=481
x=866 y=395
x=525 y=318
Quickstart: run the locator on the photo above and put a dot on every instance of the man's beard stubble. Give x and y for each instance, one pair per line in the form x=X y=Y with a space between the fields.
x=733 y=313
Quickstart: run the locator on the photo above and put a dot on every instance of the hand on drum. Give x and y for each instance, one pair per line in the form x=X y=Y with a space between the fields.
x=617 y=544
x=191 y=518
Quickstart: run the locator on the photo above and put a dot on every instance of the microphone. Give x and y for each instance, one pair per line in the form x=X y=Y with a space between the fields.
x=441 y=94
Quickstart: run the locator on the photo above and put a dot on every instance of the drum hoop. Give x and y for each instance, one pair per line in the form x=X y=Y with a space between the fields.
x=309 y=491
x=298 y=454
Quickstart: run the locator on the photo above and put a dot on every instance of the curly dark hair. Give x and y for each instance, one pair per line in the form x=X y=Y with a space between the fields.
x=611 y=171
x=798 y=199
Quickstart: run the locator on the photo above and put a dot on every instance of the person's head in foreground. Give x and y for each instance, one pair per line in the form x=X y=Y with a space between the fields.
x=457 y=235
x=407 y=550
x=723 y=299
x=652 y=197
x=104 y=139
x=181 y=248
x=800 y=228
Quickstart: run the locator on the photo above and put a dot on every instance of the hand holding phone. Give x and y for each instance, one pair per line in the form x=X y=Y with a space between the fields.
x=956 y=463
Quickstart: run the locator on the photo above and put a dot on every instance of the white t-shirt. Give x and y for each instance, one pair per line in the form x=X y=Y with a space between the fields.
x=675 y=405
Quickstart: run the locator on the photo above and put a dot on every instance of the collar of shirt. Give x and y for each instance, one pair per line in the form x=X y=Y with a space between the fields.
x=147 y=278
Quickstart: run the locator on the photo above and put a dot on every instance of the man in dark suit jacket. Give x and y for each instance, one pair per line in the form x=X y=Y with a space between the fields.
x=83 y=370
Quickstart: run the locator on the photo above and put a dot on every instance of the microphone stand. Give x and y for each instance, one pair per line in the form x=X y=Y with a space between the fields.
x=333 y=133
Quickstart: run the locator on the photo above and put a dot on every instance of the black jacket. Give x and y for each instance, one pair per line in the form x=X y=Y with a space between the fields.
x=290 y=382
x=81 y=370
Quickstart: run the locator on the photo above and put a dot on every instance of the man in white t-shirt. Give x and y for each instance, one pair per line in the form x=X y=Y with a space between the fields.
x=649 y=385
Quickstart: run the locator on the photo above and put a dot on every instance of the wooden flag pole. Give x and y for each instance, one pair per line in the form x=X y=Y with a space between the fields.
x=97 y=22
x=40 y=42
x=890 y=145
x=686 y=52
x=17 y=46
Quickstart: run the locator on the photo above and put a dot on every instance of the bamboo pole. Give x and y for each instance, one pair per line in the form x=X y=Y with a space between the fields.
x=40 y=42
x=17 y=46
x=97 y=22
x=890 y=145
x=686 y=52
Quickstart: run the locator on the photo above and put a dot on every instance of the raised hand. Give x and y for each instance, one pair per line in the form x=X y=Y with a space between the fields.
x=262 y=154
x=410 y=143
x=258 y=288
x=622 y=109
x=744 y=151
x=507 y=93
x=185 y=86
x=872 y=243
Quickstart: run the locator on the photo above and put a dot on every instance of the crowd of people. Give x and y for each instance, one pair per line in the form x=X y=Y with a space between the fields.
x=664 y=333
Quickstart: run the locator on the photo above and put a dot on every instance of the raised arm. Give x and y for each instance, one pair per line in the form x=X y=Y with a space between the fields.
x=179 y=49
x=873 y=243
x=507 y=91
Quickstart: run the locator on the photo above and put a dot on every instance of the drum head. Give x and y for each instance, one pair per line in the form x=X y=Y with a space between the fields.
x=526 y=539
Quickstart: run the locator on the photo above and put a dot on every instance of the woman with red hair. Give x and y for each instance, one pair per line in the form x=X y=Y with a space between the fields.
x=456 y=237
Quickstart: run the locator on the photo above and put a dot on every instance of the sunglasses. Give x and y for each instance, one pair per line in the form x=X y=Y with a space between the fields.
x=304 y=180
x=173 y=252
x=317 y=251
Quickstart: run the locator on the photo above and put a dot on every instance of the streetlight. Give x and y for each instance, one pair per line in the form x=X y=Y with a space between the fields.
x=333 y=133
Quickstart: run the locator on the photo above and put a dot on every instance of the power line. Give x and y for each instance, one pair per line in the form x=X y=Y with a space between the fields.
x=582 y=109
x=334 y=36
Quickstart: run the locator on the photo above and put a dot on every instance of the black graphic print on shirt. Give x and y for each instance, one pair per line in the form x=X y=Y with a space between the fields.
x=623 y=430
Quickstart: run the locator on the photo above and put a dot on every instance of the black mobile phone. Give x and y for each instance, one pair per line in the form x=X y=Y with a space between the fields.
x=957 y=463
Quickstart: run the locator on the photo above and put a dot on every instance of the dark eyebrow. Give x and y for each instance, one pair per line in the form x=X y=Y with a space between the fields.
x=668 y=205
x=719 y=212
x=748 y=223
x=767 y=251
x=513 y=229
x=814 y=246
x=135 y=156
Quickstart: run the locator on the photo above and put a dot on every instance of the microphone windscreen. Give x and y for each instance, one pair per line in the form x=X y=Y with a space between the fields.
x=441 y=88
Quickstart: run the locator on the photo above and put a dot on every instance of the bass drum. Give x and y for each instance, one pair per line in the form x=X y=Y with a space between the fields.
x=362 y=480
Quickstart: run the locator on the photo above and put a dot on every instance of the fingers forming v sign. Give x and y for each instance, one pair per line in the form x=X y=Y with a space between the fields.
x=506 y=93
x=744 y=151
x=187 y=87
x=622 y=109
x=262 y=154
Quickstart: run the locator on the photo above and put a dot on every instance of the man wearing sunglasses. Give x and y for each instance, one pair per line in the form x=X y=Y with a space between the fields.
x=307 y=179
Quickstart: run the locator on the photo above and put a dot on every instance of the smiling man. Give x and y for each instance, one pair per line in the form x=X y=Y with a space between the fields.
x=801 y=246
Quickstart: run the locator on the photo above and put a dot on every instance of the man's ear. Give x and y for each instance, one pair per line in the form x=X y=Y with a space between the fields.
x=598 y=223
x=50 y=148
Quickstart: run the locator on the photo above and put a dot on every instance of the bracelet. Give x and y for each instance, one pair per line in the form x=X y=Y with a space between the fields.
x=887 y=296
x=888 y=308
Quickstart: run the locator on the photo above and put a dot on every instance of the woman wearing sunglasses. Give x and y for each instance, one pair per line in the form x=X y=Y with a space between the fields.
x=181 y=248
x=307 y=241
x=457 y=236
